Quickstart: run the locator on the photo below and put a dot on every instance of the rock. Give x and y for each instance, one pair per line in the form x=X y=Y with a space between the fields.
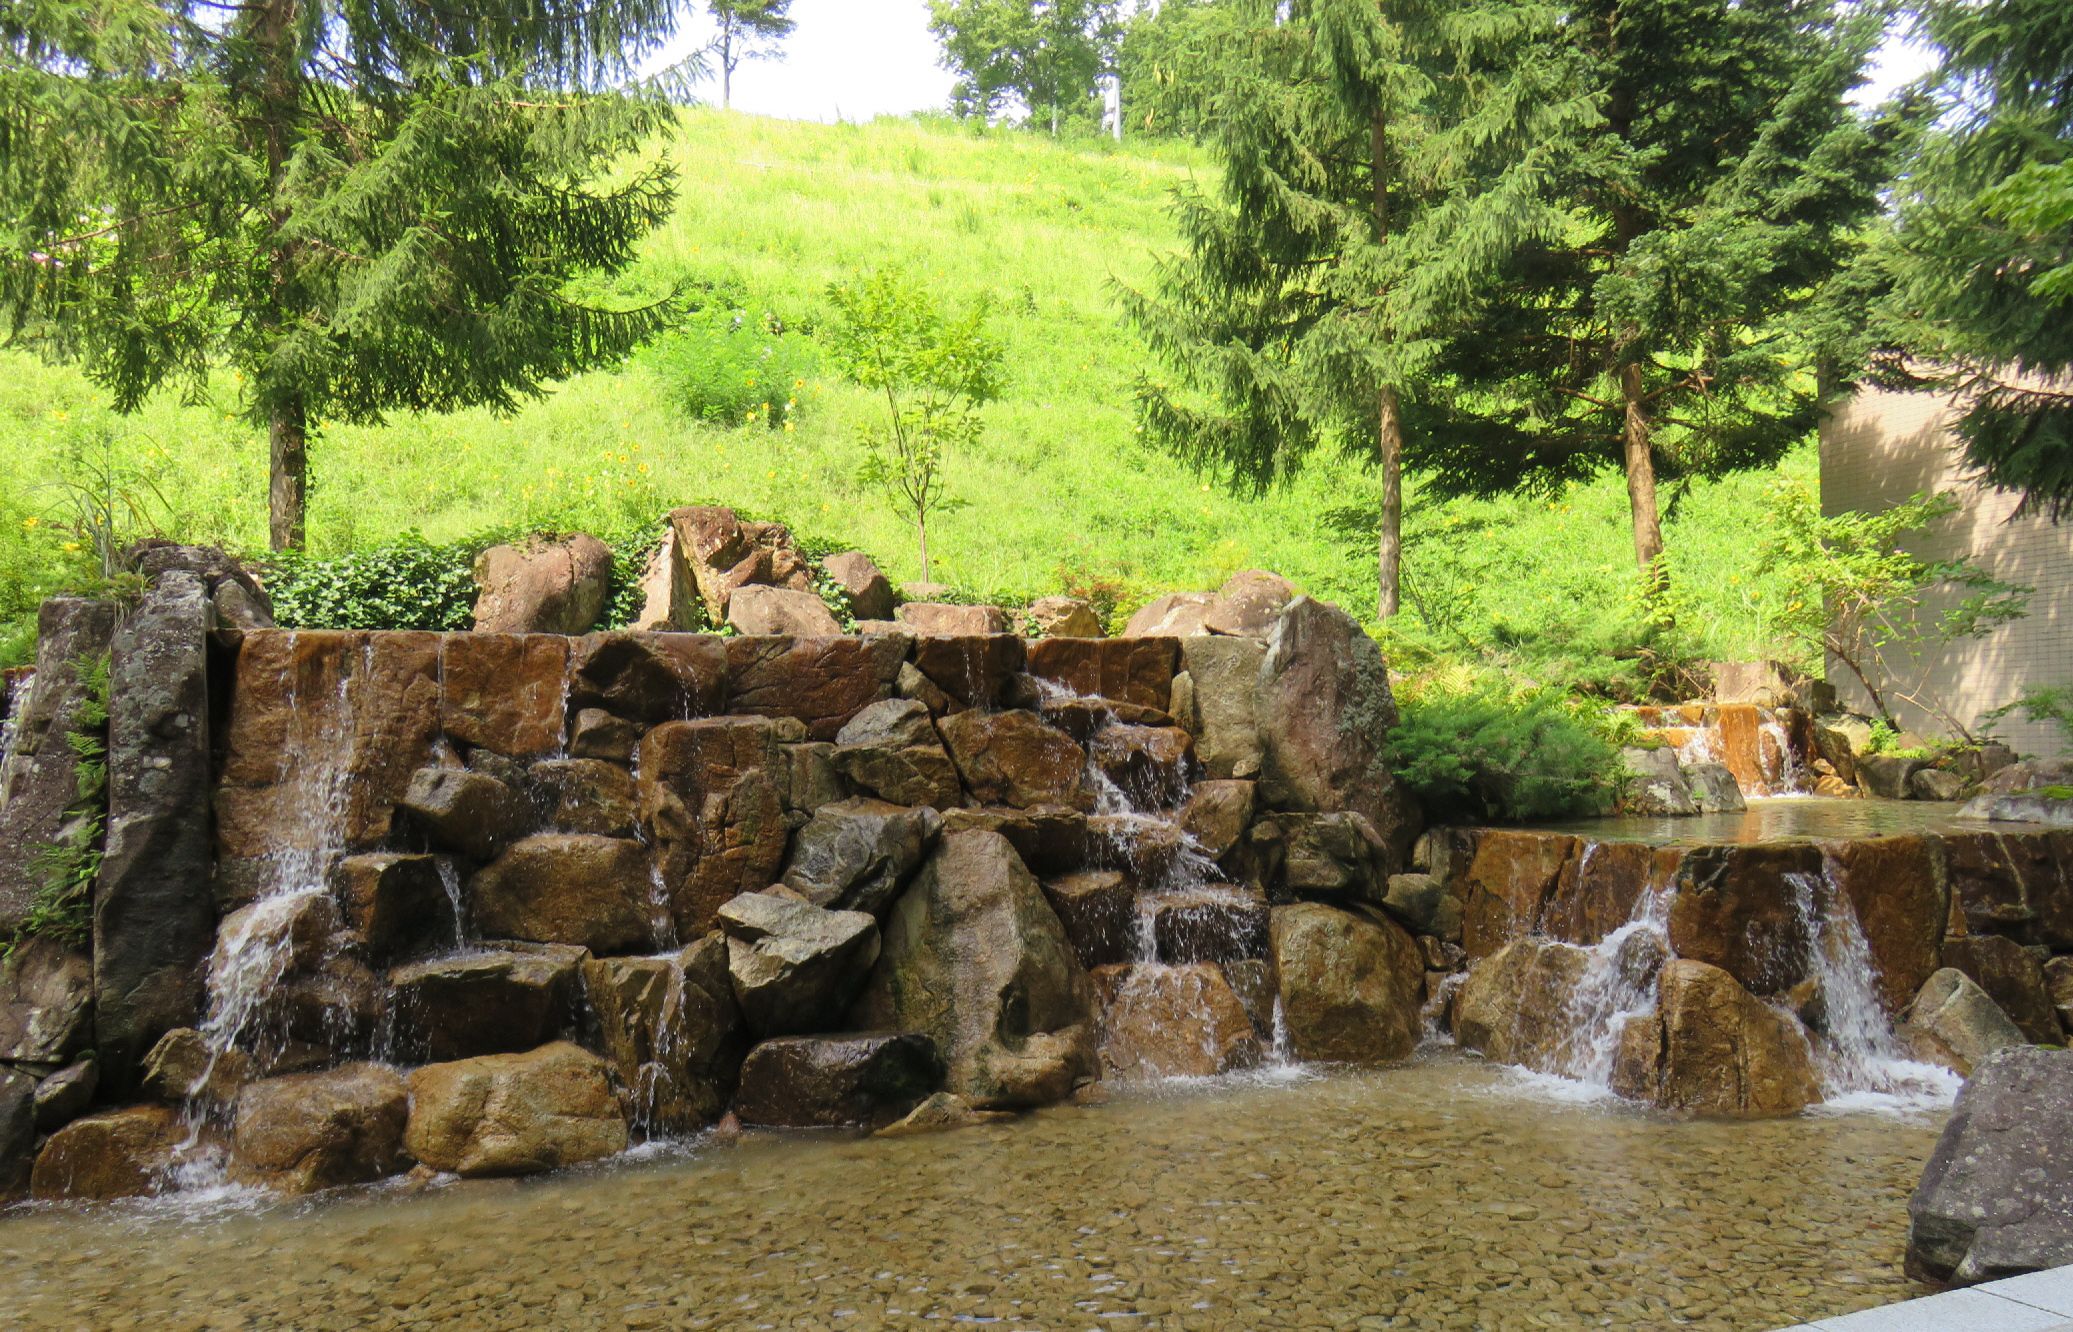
x=1247 y=604
x=667 y=590
x=671 y=1031
x=780 y=610
x=334 y=1010
x=870 y=593
x=812 y=780
x=1333 y=855
x=937 y=619
x=1151 y=765
x=827 y=1081
x=39 y=781
x=153 y=916
x=491 y=1002
x=712 y=806
x=1739 y=908
x=1935 y=784
x=2027 y=775
x=2058 y=983
x=1996 y=1199
x=1515 y=1006
x=1217 y=814
x=1252 y=980
x=18 y=1114
x=1955 y=1023
x=1350 y=987
x=1839 y=740
x=971 y=671
x=915 y=686
x=646 y=678
x=1896 y=888
x=892 y=748
x=1135 y=672
x=1324 y=710
x=1175 y=615
x=65 y=1095
x=568 y=888
x=1171 y=1021
x=311 y=1131
x=598 y=734
x=1888 y=776
x=794 y=965
x=976 y=959
x=180 y=1067
x=1098 y=910
x=394 y=903
x=710 y=541
x=1714 y=1049
x=821 y=681
x=46 y=1002
x=2013 y=979
x=1061 y=617
x=2022 y=807
x=1222 y=703
x=2016 y=883
x=1049 y=839
x=115 y=1154
x=1216 y=923
x=1655 y=786
x=543 y=586
x=505 y=692
x=581 y=795
x=468 y=812
x=858 y=854
x=1423 y=905
x=273 y=937
x=1012 y=758
x=514 y=1114
x=938 y=1114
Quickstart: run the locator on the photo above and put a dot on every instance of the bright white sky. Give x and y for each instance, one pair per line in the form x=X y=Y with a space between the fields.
x=855 y=59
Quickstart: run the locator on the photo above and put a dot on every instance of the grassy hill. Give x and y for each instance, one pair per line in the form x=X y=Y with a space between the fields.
x=1061 y=493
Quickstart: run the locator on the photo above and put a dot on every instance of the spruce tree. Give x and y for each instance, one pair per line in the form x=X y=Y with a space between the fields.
x=357 y=207
x=1377 y=161
x=1662 y=329
x=749 y=30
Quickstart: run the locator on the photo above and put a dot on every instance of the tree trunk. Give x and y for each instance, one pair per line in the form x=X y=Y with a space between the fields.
x=288 y=474
x=1389 y=543
x=921 y=530
x=1641 y=478
x=726 y=87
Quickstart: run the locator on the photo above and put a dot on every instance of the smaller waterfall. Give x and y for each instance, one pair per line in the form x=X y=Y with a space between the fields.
x=11 y=705
x=1618 y=983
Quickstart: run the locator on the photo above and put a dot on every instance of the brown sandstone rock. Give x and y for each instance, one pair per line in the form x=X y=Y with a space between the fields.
x=469 y=812
x=938 y=1114
x=1217 y=814
x=939 y=619
x=514 y=1114
x=180 y=1068
x=827 y=1081
x=1336 y=856
x=495 y=1001
x=2012 y=976
x=712 y=807
x=1138 y=672
x=1507 y=884
x=891 y=748
x=1739 y=908
x=542 y=586
x=1061 y=617
x=1350 y=986
x=1515 y=1006
x=1162 y=1021
x=581 y=795
x=394 y=903
x=567 y=888
x=1152 y=765
x=1599 y=888
x=598 y=734
x=1422 y=905
x=780 y=610
x=505 y=692
x=822 y=681
x=647 y=678
x=1012 y=758
x=969 y=671
x=115 y=1154
x=1175 y=615
x=1098 y=909
x=1247 y=604
x=870 y=593
x=2058 y=983
x=1050 y=839
x=671 y=1032
x=311 y=1131
x=1717 y=1050
x=1955 y=1023
x=1221 y=709
x=1213 y=923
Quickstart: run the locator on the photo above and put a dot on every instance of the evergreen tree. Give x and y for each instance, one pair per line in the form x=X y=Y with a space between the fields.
x=358 y=207
x=1662 y=330
x=1044 y=54
x=1377 y=161
x=1983 y=262
x=749 y=30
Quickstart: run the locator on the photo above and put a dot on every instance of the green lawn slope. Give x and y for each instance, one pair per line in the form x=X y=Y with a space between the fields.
x=1062 y=492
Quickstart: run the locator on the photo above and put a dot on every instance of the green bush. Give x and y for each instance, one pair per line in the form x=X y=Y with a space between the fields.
x=733 y=367
x=407 y=584
x=1485 y=751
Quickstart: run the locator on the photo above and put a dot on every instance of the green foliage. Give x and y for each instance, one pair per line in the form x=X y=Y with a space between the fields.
x=1040 y=57
x=1860 y=596
x=935 y=371
x=729 y=366
x=1166 y=64
x=1485 y=750
x=409 y=583
x=2038 y=705
x=748 y=30
x=61 y=907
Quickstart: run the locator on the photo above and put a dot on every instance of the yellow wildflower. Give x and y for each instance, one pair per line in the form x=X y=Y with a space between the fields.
x=31 y=524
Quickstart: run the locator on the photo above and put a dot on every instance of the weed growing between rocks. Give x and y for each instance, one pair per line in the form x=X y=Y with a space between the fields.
x=65 y=870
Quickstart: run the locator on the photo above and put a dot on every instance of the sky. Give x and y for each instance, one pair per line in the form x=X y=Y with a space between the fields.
x=855 y=59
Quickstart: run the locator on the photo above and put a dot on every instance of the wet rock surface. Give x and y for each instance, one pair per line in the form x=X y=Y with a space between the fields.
x=311 y=1131
x=514 y=1114
x=1161 y=1021
x=795 y=966
x=1350 y=986
x=827 y=1081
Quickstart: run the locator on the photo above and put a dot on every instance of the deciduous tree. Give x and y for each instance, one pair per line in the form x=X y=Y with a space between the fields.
x=749 y=30
x=1043 y=54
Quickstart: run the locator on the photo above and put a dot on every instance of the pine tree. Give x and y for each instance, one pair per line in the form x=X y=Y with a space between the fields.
x=1658 y=330
x=749 y=30
x=1046 y=54
x=1377 y=160
x=1983 y=256
x=357 y=207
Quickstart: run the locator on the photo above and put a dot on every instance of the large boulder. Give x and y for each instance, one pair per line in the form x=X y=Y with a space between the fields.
x=647 y=678
x=125 y=1153
x=857 y=854
x=1098 y=909
x=1217 y=698
x=1132 y=672
x=821 y=681
x=39 y=782
x=1324 y=710
x=310 y=1131
x=1745 y=909
x=1339 y=856
x=182 y=1068
x=713 y=804
x=1175 y=615
x=1655 y=785
x=1211 y=923
x=1351 y=987
x=492 y=1002
x=671 y=1031
x=1012 y=758
x=153 y=916
x=891 y=748
x=1956 y=1023
x=467 y=811
x=795 y=965
x=1507 y=884
x=46 y=1002
x=1996 y=1199
x=968 y=670
x=395 y=903
x=584 y=795
x=507 y=693
x=828 y=1081
x=1162 y=1021
x=568 y=888
x=1151 y=765
x=940 y=619
x=1888 y=776
x=870 y=593
x=723 y=554
x=1061 y=617
x=1516 y=1005
x=975 y=958
x=781 y=610
x=1217 y=813
x=2013 y=977
x=514 y=1114
x=542 y=586
x=1712 y=1048
x=1248 y=604
x=1896 y=888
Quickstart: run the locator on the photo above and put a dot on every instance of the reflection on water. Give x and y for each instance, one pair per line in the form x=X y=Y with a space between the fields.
x=1785 y=818
x=1448 y=1195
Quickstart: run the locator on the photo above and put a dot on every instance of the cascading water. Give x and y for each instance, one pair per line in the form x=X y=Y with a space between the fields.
x=1618 y=983
x=11 y=705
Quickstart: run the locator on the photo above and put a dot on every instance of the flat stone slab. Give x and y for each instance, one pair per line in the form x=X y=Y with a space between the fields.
x=2033 y=1302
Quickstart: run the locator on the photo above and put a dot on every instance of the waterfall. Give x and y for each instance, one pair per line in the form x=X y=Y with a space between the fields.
x=1784 y=777
x=1618 y=983
x=11 y=704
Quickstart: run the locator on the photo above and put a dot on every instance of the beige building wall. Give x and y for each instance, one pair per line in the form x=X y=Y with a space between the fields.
x=1878 y=448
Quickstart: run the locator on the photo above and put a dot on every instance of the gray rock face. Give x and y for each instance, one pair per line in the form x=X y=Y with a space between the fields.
x=65 y=1095
x=825 y=1081
x=891 y=748
x=1223 y=681
x=1655 y=786
x=2021 y=807
x=1886 y=776
x=976 y=959
x=858 y=854
x=795 y=966
x=1955 y=1022
x=471 y=812
x=1714 y=789
x=1935 y=784
x=1333 y=855
x=484 y=1003
x=1996 y=1200
x=46 y=1003
x=154 y=919
x=40 y=783
x=671 y=1031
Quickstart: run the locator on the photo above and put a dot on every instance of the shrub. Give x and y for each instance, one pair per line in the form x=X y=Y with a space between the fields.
x=733 y=367
x=61 y=906
x=1485 y=751
x=407 y=584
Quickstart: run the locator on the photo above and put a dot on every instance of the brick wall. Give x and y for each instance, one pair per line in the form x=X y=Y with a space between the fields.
x=1878 y=448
